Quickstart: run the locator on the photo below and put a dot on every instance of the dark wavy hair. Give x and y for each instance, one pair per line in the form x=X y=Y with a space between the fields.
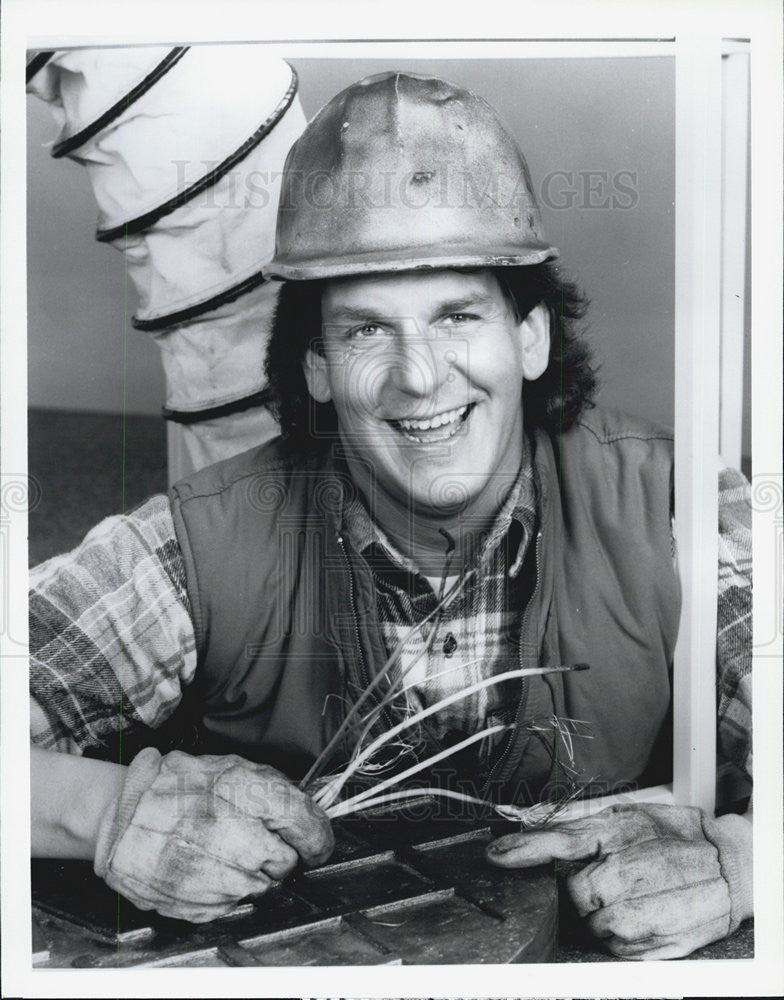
x=553 y=401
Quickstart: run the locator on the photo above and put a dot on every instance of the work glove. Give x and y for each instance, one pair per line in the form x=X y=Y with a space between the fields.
x=662 y=880
x=190 y=836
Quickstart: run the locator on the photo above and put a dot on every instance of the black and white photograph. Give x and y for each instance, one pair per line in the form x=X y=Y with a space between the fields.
x=393 y=441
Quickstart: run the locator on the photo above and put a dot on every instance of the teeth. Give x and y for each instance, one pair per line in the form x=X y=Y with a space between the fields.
x=449 y=417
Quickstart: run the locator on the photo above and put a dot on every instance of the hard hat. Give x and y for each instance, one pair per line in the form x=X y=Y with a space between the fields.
x=401 y=172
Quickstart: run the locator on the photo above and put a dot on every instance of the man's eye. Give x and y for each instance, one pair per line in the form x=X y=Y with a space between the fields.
x=458 y=319
x=365 y=331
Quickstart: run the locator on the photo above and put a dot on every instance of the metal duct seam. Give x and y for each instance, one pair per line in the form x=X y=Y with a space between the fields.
x=256 y=399
x=218 y=358
x=81 y=85
x=215 y=247
x=222 y=298
x=37 y=63
x=142 y=222
x=71 y=143
x=191 y=312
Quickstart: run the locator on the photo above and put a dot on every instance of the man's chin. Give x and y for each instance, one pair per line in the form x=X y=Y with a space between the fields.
x=445 y=498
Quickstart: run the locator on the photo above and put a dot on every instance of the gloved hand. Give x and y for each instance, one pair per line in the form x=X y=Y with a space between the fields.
x=190 y=836
x=662 y=880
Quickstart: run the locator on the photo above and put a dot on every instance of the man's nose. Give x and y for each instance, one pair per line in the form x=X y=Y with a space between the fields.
x=417 y=367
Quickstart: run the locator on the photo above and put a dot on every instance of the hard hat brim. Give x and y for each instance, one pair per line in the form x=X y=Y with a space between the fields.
x=356 y=265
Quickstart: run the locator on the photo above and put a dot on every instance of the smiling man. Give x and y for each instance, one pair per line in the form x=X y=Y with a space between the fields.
x=424 y=371
x=438 y=438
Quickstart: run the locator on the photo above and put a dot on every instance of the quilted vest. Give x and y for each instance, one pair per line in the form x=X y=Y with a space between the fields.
x=285 y=611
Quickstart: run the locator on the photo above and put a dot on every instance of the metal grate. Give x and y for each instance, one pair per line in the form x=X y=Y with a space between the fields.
x=395 y=891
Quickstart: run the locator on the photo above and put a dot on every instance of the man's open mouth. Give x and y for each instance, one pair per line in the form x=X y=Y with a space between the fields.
x=439 y=427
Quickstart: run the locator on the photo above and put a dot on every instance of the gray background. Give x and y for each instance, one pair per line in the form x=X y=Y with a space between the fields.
x=611 y=116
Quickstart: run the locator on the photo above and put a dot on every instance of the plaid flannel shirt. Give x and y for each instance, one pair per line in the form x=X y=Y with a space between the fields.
x=475 y=635
x=112 y=641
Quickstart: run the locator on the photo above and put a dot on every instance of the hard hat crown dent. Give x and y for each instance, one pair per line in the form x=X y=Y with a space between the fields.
x=402 y=171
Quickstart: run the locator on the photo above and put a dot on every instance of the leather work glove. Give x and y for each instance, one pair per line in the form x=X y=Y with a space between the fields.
x=662 y=880
x=190 y=836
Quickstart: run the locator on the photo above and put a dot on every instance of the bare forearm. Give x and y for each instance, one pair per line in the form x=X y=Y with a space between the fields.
x=68 y=795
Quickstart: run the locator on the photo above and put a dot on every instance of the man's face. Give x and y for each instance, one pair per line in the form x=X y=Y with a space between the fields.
x=425 y=371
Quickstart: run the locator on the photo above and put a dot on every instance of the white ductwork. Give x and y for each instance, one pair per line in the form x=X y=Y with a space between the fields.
x=184 y=148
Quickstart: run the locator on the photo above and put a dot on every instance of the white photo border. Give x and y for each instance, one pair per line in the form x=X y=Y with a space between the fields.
x=47 y=23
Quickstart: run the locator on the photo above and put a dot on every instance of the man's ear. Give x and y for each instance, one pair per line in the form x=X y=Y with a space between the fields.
x=314 y=366
x=535 y=331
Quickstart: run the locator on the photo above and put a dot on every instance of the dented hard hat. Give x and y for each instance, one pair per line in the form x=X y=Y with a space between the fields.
x=400 y=172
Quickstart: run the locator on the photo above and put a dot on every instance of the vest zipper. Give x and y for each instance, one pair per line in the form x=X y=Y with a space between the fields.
x=525 y=681
x=363 y=668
